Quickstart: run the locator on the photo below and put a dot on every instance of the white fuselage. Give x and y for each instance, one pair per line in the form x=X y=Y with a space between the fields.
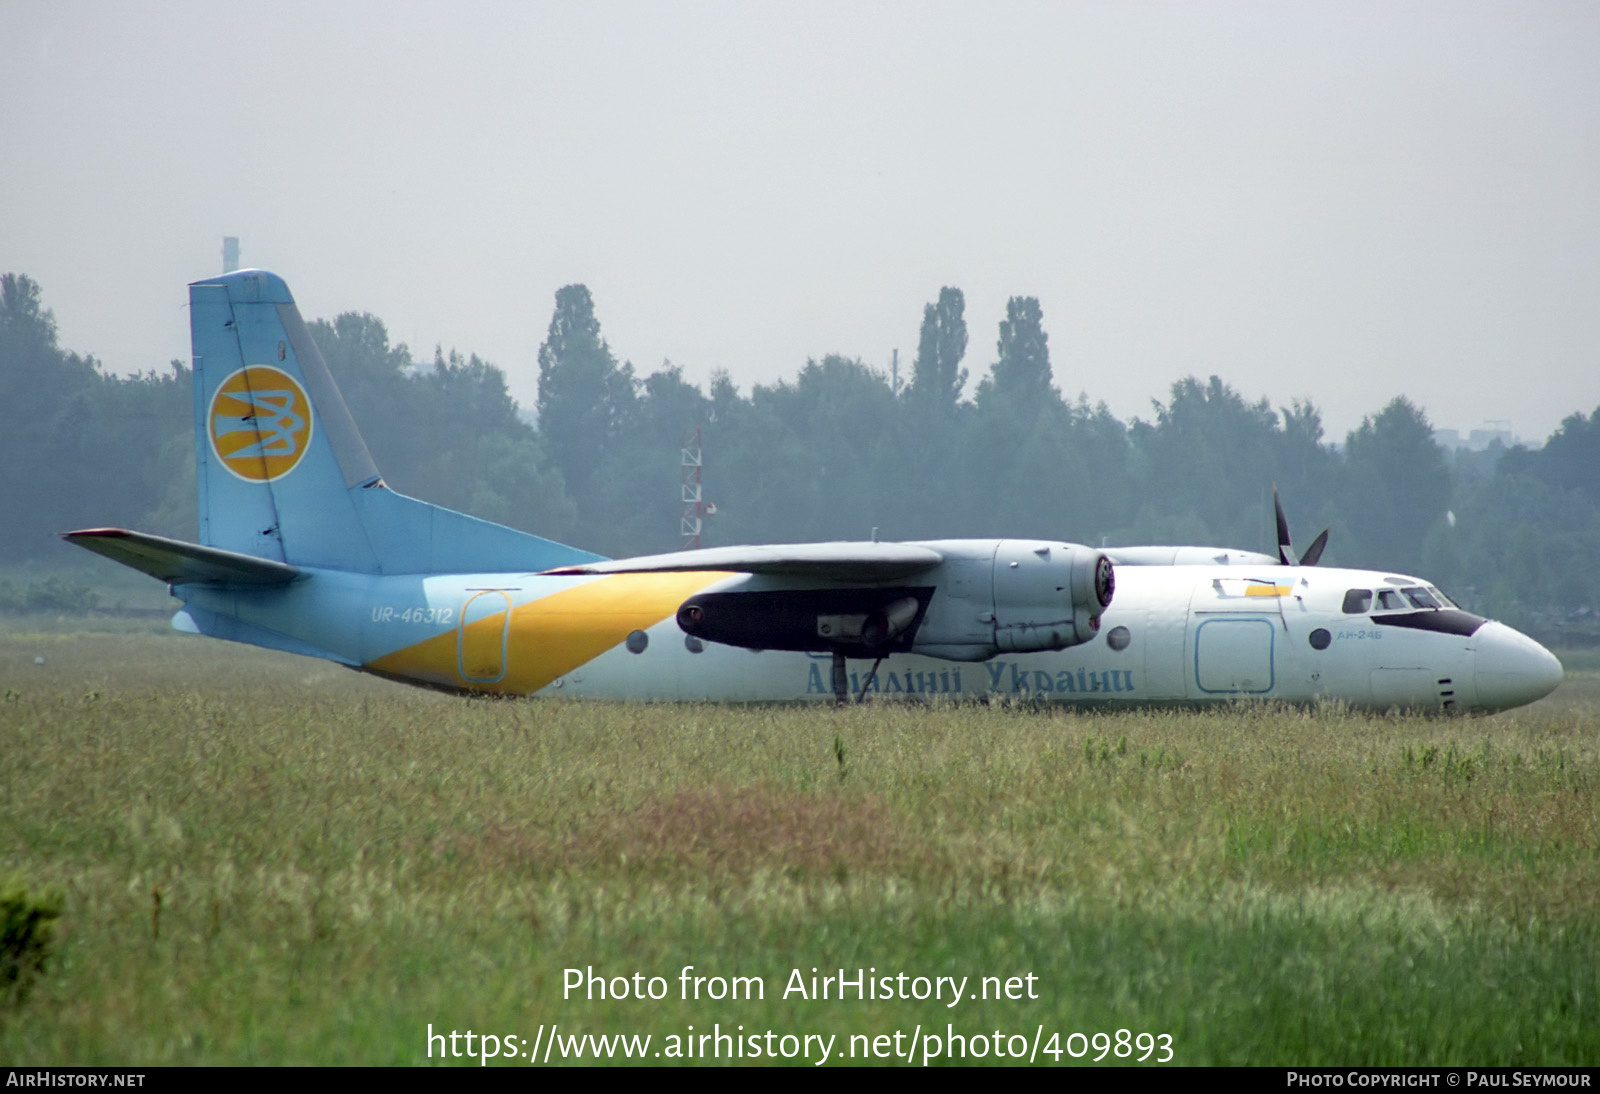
x=1192 y=636
x=1172 y=635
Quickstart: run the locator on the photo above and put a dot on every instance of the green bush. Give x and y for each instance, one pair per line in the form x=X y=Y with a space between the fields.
x=50 y=594
x=56 y=595
x=26 y=932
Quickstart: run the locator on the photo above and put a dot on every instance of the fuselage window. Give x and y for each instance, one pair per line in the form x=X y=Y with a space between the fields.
x=1422 y=598
x=1390 y=600
x=1357 y=601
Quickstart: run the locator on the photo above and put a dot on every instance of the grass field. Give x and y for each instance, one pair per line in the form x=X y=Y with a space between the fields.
x=264 y=859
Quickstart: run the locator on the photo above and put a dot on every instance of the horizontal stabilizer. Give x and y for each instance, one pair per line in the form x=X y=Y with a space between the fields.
x=838 y=561
x=180 y=563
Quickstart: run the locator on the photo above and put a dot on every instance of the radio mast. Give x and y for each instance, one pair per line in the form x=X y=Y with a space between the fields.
x=695 y=507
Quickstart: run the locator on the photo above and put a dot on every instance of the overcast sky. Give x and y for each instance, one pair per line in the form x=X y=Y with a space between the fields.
x=1340 y=202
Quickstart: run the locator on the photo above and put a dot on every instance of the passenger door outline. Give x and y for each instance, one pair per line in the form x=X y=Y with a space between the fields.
x=481 y=649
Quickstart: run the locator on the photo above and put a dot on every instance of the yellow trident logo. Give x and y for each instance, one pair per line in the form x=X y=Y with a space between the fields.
x=260 y=423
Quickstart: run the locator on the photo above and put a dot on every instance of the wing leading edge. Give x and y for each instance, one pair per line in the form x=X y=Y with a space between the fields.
x=837 y=561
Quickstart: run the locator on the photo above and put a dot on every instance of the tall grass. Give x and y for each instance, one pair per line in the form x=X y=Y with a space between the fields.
x=268 y=859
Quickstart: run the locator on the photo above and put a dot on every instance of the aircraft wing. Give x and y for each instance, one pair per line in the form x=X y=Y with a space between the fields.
x=1186 y=556
x=179 y=563
x=839 y=561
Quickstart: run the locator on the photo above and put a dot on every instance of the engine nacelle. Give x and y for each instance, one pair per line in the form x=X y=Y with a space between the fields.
x=985 y=598
x=1048 y=596
x=1014 y=596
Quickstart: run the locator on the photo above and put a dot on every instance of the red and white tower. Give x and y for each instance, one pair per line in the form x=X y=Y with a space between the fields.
x=695 y=508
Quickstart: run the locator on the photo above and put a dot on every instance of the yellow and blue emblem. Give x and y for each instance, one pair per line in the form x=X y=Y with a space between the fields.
x=260 y=423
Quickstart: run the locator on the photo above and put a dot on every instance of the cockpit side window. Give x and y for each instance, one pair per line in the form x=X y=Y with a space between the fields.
x=1357 y=601
x=1421 y=598
x=1390 y=600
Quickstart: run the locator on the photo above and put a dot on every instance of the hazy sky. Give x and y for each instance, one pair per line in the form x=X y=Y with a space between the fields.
x=1335 y=201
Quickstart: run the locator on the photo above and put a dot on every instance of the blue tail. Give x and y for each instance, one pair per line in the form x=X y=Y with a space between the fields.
x=283 y=472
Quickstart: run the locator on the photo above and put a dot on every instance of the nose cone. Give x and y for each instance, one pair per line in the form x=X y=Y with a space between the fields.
x=1512 y=669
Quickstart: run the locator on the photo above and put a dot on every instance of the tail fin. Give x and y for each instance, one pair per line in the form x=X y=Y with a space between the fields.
x=283 y=472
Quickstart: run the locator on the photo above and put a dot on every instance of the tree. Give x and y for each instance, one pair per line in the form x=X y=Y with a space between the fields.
x=27 y=327
x=375 y=379
x=812 y=459
x=634 y=502
x=585 y=398
x=1398 y=486
x=1022 y=373
x=481 y=457
x=36 y=377
x=937 y=376
x=1522 y=549
x=52 y=464
x=448 y=432
x=1210 y=458
x=1570 y=459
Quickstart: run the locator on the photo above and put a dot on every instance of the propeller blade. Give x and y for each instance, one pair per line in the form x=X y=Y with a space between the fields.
x=1284 y=546
x=1314 y=552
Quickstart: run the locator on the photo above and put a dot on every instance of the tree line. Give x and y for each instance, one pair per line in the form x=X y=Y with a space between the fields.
x=832 y=454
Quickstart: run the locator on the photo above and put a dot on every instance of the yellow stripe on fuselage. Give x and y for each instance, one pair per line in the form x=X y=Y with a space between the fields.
x=1268 y=590
x=550 y=636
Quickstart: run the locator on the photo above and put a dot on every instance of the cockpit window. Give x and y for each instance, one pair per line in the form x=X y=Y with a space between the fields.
x=1444 y=601
x=1390 y=600
x=1357 y=601
x=1422 y=598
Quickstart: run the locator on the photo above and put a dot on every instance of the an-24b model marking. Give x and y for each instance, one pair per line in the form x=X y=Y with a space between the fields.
x=304 y=548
